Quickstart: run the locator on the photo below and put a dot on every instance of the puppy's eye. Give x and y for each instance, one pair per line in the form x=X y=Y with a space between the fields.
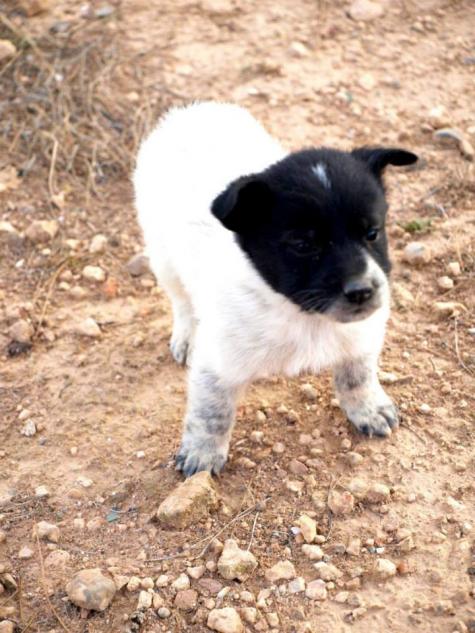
x=302 y=246
x=372 y=235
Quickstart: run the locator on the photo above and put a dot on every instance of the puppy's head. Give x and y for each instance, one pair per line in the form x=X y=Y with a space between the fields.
x=313 y=226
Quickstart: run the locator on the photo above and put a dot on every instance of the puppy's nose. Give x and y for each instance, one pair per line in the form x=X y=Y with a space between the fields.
x=358 y=290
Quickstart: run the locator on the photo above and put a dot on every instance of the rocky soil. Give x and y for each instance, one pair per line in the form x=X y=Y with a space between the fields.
x=310 y=527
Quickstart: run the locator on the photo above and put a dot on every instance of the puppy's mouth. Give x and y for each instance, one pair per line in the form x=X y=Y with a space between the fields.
x=343 y=312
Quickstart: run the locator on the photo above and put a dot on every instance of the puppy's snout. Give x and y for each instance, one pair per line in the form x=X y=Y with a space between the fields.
x=358 y=291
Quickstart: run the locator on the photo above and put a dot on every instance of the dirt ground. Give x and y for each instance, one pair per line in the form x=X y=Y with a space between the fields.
x=105 y=412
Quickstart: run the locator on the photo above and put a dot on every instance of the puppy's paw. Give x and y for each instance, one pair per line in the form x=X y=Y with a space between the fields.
x=204 y=455
x=179 y=347
x=375 y=419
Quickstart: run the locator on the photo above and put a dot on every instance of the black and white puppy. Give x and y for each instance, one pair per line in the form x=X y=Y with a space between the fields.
x=273 y=262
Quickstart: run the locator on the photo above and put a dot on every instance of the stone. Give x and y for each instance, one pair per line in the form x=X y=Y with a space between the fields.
x=164 y=613
x=138 y=265
x=42 y=491
x=7 y=626
x=296 y=467
x=93 y=273
x=316 y=590
x=88 y=328
x=313 y=552
x=283 y=570
x=308 y=528
x=235 y=563
x=209 y=586
x=384 y=569
x=342 y=596
x=309 y=392
x=403 y=297
x=186 y=600
x=98 y=244
x=3 y=536
x=91 y=590
x=42 y=231
x=341 y=503
x=147 y=583
x=453 y=269
x=354 y=459
x=181 y=583
x=25 y=553
x=6 y=227
x=449 y=308
x=21 y=331
x=196 y=572
x=354 y=546
x=365 y=10
x=28 y=429
x=297 y=585
x=445 y=282
x=225 y=620
x=189 y=502
x=58 y=558
x=327 y=571
x=378 y=493
x=145 y=600
x=133 y=584
x=249 y=614
x=7 y=50
x=162 y=581
x=367 y=81
x=47 y=531
x=416 y=253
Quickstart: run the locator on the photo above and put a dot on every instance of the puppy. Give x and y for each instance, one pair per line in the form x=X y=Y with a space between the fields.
x=274 y=263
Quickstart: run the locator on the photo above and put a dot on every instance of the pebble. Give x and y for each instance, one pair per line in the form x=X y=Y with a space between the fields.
x=424 y=408
x=196 y=572
x=147 y=583
x=354 y=546
x=47 y=531
x=133 y=584
x=316 y=590
x=89 y=328
x=384 y=569
x=42 y=231
x=93 y=273
x=83 y=481
x=28 y=429
x=309 y=392
x=164 y=613
x=453 y=269
x=365 y=10
x=186 y=600
x=327 y=571
x=157 y=601
x=25 y=552
x=249 y=614
x=296 y=467
x=42 y=491
x=145 y=600
x=181 y=583
x=3 y=536
x=283 y=570
x=354 y=459
x=189 y=502
x=308 y=528
x=378 y=493
x=278 y=448
x=7 y=50
x=342 y=596
x=445 y=283
x=225 y=620
x=91 y=590
x=77 y=292
x=341 y=503
x=235 y=563
x=162 y=581
x=297 y=585
x=367 y=81
x=21 y=331
x=256 y=437
x=138 y=265
x=98 y=244
x=313 y=552
x=416 y=253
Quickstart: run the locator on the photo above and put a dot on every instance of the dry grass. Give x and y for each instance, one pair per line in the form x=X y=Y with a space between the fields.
x=66 y=103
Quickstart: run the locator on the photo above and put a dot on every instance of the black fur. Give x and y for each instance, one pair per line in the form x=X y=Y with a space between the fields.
x=308 y=238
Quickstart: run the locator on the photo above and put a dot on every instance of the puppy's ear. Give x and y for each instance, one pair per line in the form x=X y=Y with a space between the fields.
x=244 y=205
x=377 y=158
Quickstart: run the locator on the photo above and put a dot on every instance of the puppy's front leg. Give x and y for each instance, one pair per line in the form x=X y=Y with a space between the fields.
x=362 y=398
x=208 y=423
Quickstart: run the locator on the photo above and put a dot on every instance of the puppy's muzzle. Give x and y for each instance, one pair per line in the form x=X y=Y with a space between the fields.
x=359 y=291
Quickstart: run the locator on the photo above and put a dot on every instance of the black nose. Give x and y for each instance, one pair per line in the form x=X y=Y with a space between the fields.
x=358 y=291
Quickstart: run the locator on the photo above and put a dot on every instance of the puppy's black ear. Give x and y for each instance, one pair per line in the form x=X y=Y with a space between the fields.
x=244 y=205
x=377 y=158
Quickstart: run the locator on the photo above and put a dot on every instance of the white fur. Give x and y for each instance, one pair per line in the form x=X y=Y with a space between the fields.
x=321 y=173
x=241 y=328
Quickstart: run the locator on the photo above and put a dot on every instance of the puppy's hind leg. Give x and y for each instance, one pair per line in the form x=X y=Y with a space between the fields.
x=182 y=309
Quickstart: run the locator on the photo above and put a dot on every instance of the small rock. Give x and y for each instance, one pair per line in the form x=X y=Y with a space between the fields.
x=145 y=600
x=453 y=269
x=297 y=585
x=47 y=531
x=189 y=502
x=209 y=586
x=42 y=231
x=91 y=590
x=98 y=244
x=445 y=283
x=225 y=620
x=316 y=590
x=28 y=429
x=186 y=600
x=25 y=552
x=298 y=49
x=309 y=392
x=424 y=408
x=283 y=570
x=278 y=448
x=7 y=50
x=196 y=572
x=164 y=613
x=294 y=486
x=147 y=583
x=181 y=583
x=327 y=572
x=235 y=563
x=138 y=265
x=354 y=546
x=365 y=10
x=367 y=82
x=354 y=459
x=162 y=581
x=41 y=491
x=313 y=552
x=249 y=614
x=384 y=569
x=133 y=584
x=93 y=273
x=308 y=528
x=449 y=308
x=296 y=467
x=341 y=597
x=416 y=253
x=6 y=227
x=7 y=626
x=83 y=481
x=403 y=297
x=341 y=503
x=3 y=536
x=58 y=558
x=21 y=331
x=378 y=493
